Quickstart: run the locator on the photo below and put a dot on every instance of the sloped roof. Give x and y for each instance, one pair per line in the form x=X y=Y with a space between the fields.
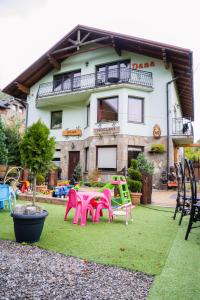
x=180 y=58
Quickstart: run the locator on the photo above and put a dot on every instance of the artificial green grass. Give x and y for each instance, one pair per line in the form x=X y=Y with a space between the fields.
x=142 y=245
x=180 y=278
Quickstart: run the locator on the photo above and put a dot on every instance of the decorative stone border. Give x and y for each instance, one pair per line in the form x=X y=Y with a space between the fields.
x=43 y=199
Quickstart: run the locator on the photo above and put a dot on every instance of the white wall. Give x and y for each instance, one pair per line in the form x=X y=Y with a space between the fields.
x=74 y=114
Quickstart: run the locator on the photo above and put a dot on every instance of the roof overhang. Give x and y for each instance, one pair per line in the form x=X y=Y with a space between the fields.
x=181 y=60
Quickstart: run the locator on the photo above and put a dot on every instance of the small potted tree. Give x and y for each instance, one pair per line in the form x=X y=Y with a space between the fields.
x=37 y=150
x=134 y=182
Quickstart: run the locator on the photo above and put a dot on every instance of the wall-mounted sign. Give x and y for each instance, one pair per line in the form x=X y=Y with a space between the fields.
x=145 y=65
x=72 y=132
x=107 y=130
x=156 y=131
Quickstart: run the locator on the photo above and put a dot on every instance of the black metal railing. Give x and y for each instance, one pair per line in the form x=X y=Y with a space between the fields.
x=181 y=126
x=95 y=80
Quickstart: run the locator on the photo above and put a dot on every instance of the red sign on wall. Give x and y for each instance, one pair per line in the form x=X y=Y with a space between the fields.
x=136 y=66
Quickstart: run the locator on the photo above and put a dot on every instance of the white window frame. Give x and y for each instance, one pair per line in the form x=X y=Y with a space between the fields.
x=106 y=158
x=142 y=112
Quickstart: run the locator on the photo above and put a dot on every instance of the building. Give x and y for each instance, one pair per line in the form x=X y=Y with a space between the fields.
x=107 y=97
x=13 y=110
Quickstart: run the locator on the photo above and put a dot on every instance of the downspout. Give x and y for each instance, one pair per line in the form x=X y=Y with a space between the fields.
x=168 y=133
x=26 y=115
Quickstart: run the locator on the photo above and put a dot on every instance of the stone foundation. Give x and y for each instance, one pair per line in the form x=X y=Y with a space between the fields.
x=122 y=142
x=43 y=199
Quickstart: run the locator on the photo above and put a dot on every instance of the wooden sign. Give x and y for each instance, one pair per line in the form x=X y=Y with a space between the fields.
x=72 y=132
x=156 y=131
x=107 y=131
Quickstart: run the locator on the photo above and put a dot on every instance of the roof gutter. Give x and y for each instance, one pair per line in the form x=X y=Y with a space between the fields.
x=168 y=133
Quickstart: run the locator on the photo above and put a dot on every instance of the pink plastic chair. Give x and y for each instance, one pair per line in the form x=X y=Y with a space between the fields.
x=105 y=203
x=82 y=206
x=86 y=207
x=74 y=201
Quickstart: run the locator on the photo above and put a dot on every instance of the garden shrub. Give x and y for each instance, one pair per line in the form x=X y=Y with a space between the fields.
x=40 y=179
x=135 y=177
x=135 y=186
x=144 y=166
x=157 y=148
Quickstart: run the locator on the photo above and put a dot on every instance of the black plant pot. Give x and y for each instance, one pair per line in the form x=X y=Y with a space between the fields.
x=28 y=228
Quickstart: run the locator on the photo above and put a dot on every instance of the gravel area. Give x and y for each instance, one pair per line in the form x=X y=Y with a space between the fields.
x=28 y=272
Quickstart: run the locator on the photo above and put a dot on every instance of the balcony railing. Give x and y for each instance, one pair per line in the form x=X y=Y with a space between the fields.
x=95 y=80
x=181 y=126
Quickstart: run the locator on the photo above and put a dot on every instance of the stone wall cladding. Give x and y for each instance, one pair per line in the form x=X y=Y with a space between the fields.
x=122 y=142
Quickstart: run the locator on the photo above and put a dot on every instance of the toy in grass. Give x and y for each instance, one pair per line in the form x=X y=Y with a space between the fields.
x=25 y=187
x=62 y=191
x=63 y=182
x=46 y=192
x=123 y=210
x=121 y=202
x=120 y=187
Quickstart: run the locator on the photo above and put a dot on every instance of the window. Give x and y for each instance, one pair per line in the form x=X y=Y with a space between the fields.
x=57 y=161
x=67 y=81
x=133 y=152
x=56 y=119
x=135 y=110
x=88 y=115
x=21 y=110
x=56 y=157
x=107 y=158
x=14 y=107
x=86 y=159
x=113 y=72
x=107 y=109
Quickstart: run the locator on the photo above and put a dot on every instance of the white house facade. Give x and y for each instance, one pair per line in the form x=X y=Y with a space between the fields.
x=103 y=96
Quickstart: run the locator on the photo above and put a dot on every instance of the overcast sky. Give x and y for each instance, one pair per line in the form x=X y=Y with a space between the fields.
x=28 y=28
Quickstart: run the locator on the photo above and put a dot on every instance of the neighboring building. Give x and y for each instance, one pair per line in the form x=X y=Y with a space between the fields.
x=13 y=110
x=107 y=97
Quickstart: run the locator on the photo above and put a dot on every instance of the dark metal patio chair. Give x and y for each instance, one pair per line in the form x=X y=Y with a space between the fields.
x=186 y=192
x=182 y=198
x=180 y=188
x=195 y=204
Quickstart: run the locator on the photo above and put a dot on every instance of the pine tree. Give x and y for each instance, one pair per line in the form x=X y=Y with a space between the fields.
x=12 y=141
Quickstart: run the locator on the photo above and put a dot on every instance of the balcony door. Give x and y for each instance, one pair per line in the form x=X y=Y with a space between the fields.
x=67 y=81
x=113 y=72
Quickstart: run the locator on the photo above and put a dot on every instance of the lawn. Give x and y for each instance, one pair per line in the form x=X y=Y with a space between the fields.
x=143 y=245
x=180 y=277
x=153 y=244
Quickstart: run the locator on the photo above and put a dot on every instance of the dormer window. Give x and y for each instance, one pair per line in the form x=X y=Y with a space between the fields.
x=113 y=72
